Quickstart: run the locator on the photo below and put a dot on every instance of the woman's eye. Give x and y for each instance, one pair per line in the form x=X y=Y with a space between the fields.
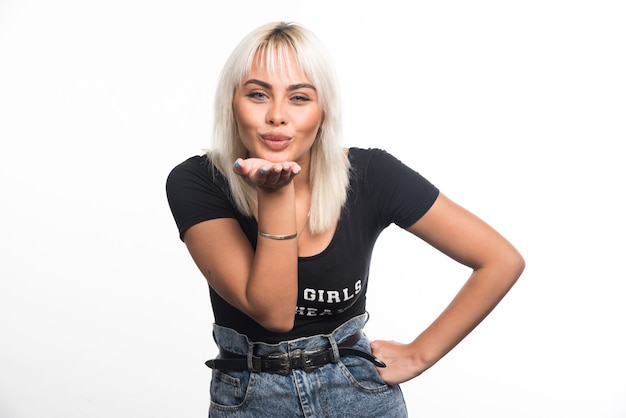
x=256 y=95
x=300 y=99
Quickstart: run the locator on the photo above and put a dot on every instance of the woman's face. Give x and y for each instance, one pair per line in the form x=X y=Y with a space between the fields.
x=278 y=114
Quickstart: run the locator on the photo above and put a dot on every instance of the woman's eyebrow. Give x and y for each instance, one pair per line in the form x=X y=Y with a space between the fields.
x=301 y=86
x=269 y=86
x=259 y=82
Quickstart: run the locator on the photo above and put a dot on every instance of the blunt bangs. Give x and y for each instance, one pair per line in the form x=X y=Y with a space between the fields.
x=277 y=47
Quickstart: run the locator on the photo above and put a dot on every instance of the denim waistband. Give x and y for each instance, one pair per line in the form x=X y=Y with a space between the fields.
x=230 y=340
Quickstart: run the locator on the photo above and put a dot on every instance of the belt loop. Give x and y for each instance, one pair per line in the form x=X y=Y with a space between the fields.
x=249 y=356
x=334 y=349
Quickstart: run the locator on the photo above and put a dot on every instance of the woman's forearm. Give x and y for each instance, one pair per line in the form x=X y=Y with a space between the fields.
x=273 y=282
x=480 y=294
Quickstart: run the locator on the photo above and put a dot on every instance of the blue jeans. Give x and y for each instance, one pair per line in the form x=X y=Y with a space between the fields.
x=351 y=387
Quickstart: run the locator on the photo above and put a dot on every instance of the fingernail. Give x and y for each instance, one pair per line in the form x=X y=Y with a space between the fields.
x=237 y=164
x=263 y=170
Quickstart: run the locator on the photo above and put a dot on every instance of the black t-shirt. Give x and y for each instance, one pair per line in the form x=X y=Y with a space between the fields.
x=332 y=284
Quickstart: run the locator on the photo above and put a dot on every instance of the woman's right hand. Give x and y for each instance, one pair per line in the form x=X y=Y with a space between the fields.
x=266 y=174
x=261 y=282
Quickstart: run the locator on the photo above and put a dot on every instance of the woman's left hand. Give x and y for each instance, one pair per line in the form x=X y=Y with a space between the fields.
x=402 y=364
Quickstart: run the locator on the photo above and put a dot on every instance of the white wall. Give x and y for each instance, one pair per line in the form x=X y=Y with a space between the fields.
x=514 y=109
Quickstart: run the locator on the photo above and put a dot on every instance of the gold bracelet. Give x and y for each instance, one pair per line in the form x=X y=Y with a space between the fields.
x=278 y=237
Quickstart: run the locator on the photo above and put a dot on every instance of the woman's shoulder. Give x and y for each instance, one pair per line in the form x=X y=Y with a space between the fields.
x=194 y=166
x=196 y=172
x=194 y=163
x=364 y=157
x=379 y=166
x=363 y=152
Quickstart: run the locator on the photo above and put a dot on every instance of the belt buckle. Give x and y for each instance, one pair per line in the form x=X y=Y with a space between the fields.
x=301 y=359
x=307 y=362
x=284 y=363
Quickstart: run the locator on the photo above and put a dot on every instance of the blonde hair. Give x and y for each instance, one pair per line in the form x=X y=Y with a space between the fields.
x=329 y=167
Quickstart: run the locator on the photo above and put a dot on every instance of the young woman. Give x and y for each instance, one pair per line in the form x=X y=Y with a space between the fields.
x=282 y=221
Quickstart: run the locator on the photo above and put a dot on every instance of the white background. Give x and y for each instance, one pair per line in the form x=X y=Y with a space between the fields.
x=517 y=110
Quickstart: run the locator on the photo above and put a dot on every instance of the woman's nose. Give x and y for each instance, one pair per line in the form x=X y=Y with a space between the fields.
x=276 y=115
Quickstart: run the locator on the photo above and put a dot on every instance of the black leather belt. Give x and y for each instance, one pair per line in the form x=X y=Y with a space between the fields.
x=283 y=363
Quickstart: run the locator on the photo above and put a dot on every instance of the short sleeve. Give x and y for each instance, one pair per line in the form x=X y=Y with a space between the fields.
x=403 y=194
x=197 y=192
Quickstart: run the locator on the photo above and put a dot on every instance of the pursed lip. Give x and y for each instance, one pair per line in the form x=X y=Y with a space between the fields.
x=275 y=141
x=275 y=136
